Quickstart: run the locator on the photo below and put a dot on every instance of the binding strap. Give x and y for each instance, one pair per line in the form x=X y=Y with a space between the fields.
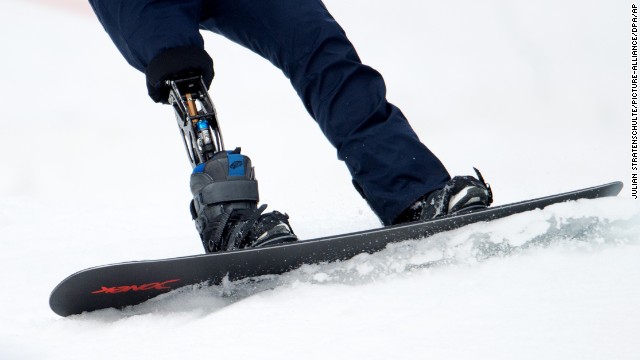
x=228 y=191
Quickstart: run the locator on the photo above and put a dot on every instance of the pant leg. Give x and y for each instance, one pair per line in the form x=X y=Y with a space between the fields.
x=347 y=99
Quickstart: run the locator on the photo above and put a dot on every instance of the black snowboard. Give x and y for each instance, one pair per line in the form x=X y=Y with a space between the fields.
x=132 y=283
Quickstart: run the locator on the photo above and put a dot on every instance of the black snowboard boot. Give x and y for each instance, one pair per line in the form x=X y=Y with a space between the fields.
x=224 y=206
x=460 y=195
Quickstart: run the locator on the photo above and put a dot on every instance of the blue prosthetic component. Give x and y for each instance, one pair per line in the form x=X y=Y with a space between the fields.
x=203 y=125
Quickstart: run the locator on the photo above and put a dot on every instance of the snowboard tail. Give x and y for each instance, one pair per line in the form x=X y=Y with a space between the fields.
x=131 y=283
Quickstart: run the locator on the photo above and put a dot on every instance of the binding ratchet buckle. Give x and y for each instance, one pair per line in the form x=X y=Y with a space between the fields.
x=196 y=118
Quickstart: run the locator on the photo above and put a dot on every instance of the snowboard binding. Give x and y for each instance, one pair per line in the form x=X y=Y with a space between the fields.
x=225 y=192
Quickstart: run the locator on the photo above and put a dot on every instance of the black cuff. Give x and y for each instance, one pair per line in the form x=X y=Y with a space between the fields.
x=174 y=64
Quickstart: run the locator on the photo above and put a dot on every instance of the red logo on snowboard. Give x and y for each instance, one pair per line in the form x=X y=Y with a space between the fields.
x=144 y=287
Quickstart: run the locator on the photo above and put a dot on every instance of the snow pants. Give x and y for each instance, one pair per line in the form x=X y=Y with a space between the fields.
x=389 y=165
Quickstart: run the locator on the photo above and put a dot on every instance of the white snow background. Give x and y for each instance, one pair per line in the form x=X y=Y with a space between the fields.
x=536 y=94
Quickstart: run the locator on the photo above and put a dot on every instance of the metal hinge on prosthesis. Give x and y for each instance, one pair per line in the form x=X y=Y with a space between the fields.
x=196 y=118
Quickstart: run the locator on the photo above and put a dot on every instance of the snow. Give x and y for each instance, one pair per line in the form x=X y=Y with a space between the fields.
x=532 y=93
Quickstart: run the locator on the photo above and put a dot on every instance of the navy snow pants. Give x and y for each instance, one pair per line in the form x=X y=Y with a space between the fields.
x=388 y=163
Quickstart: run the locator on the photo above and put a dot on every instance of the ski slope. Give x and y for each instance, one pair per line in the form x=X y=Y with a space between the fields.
x=534 y=94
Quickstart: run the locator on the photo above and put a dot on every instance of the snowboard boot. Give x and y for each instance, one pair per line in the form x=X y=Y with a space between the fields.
x=460 y=195
x=224 y=206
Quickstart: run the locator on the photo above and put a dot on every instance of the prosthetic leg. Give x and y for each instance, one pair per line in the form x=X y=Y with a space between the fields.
x=223 y=184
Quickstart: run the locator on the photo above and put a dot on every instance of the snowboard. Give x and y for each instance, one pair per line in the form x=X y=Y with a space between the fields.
x=131 y=283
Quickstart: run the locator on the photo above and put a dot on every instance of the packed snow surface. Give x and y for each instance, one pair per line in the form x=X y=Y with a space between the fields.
x=533 y=93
